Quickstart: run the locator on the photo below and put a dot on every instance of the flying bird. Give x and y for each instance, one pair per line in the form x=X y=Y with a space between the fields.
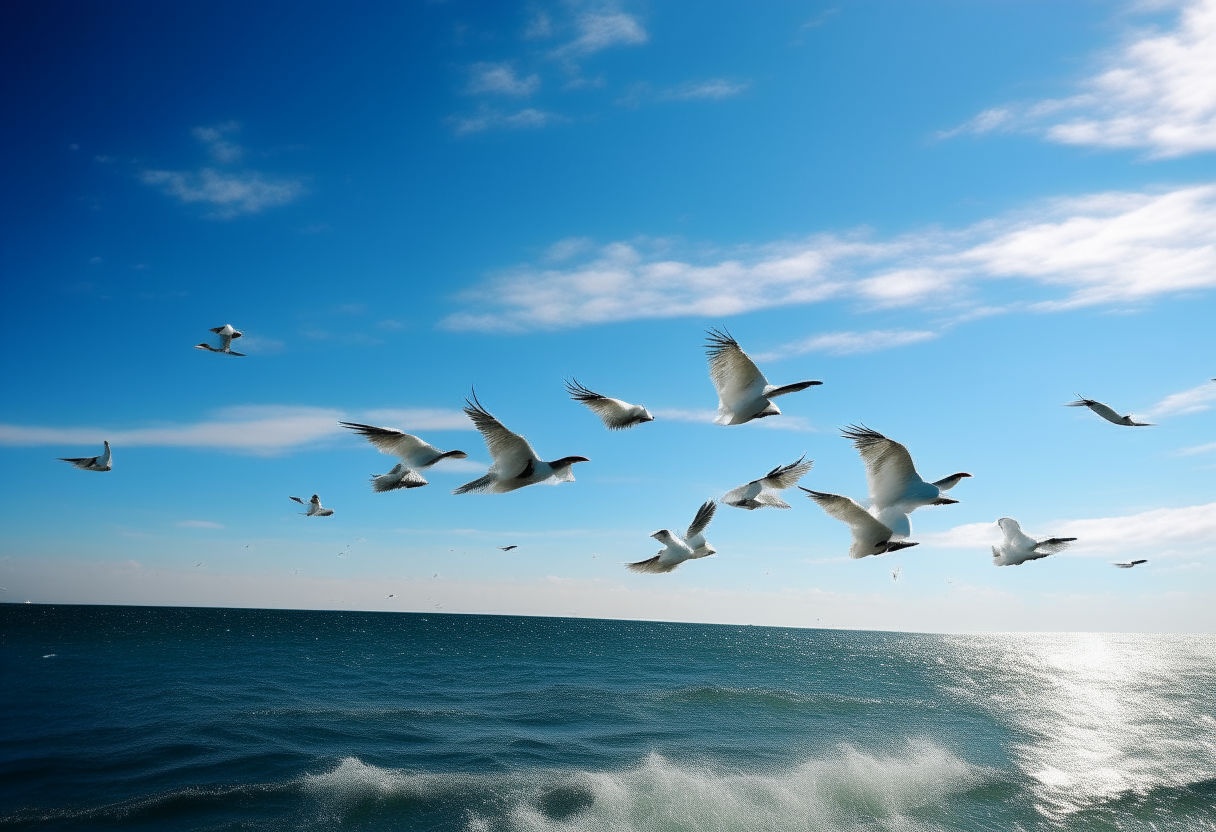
x=412 y=451
x=1017 y=547
x=895 y=573
x=508 y=548
x=677 y=549
x=1107 y=413
x=314 y=507
x=870 y=537
x=226 y=332
x=763 y=492
x=91 y=463
x=515 y=462
x=614 y=413
x=896 y=490
x=743 y=391
x=1130 y=564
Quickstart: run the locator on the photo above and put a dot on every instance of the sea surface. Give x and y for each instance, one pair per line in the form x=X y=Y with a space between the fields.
x=225 y=719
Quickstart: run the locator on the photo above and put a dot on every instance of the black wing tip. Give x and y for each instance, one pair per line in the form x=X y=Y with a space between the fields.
x=861 y=435
x=717 y=340
x=580 y=393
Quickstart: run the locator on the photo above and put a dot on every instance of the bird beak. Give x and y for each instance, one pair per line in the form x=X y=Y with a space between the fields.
x=901 y=544
x=944 y=501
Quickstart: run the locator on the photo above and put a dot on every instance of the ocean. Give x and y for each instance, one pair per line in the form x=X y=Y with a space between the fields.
x=227 y=719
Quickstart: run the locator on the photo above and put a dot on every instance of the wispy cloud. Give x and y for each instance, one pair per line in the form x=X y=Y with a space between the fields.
x=1107 y=248
x=488 y=119
x=199 y=524
x=597 y=31
x=249 y=429
x=713 y=88
x=1195 y=450
x=700 y=416
x=1157 y=92
x=230 y=193
x=849 y=343
x=1191 y=529
x=500 y=79
x=1195 y=400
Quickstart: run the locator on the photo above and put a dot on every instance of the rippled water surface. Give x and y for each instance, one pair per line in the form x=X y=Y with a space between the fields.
x=151 y=718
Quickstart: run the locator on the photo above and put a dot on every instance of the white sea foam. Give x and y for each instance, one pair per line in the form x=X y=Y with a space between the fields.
x=848 y=790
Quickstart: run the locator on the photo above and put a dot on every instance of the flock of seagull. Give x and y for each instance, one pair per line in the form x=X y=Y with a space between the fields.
x=744 y=394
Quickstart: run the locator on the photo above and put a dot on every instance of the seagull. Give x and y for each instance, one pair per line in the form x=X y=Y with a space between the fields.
x=314 y=507
x=895 y=573
x=870 y=537
x=226 y=332
x=743 y=391
x=1017 y=548
x=515 y=463
x=91 y=463
x=1107 y=413
x=508 y=548
x=614 y=413
x=763 y=492
x=412 y=451
x=390 y=595
x=678 y=549
x=896 y=490
x=1130 y=564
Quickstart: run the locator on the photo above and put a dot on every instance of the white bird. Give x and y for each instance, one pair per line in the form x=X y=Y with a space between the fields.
x=1130 y=564
x=314 y=507
x=226 y=332
x=870 y=537
x=515 y=462
x=92 y=463
x=412 y=451
x=1107 y=413
x=743 y=391
x=1018 y=547
x=896 y=490
x=763 y=492
x=614 y=413
x=677 y=549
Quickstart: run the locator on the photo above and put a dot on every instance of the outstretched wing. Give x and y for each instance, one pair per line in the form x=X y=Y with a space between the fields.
x=653 y=566
x=701 y=522
x=1053 y=545
x=511 y=452
x=298 y=500
x=787 y=476
x=614 y=413
x=848 y=510
x=735 y=376
x=889 y=468
x=407 y=447
x=1105 y=411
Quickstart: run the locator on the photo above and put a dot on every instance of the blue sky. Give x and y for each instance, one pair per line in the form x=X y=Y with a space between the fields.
x=956 y=215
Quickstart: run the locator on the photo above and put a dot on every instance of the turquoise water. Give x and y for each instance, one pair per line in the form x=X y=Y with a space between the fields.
x=184 y=719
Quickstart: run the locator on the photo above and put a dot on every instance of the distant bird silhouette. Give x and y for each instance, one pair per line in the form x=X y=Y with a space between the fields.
x=614 y=413
x=516 y=464
x=1018 y=547
x=870 y=537
x=1107 y=413
x=91 y=463
x=508 y=548
x=1130 y=564
x=743 y=391
x=677 y=549
x=763 y=492
x=314 y=507
x=227 y=333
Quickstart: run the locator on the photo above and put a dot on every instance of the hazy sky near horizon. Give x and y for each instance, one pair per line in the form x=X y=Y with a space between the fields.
x=956 y=215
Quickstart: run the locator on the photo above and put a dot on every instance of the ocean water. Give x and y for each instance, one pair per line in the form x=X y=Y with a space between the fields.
x=213 y=719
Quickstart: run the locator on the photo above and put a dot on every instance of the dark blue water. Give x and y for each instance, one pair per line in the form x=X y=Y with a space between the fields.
x=183 y=719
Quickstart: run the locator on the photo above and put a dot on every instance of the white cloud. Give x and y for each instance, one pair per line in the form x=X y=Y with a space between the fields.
x=1108 y=248
x=487 y=119
x=714 y=88
x=1198 y=449
x=1194 y=400
x=232 y=194
x=501 y=79
x=600 y=30
x=199 y=524
x=1158 y=92
x=849 y=343
x=1190 y=530
x=251 y=429
x=218 y=146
